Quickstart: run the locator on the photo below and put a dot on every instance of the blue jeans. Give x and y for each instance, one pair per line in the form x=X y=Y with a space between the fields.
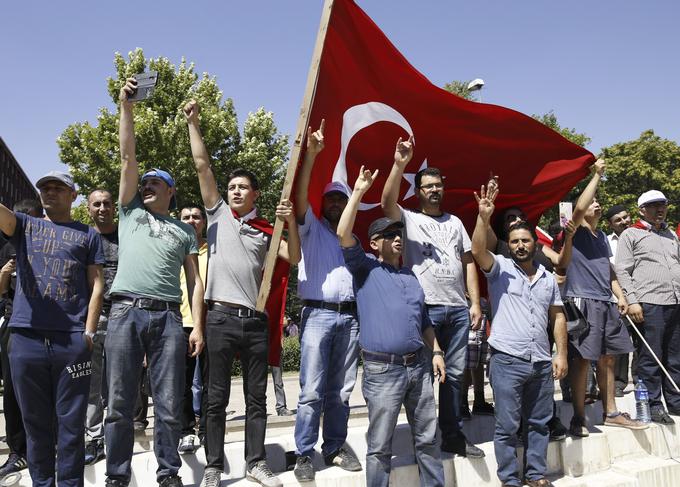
x=386 y=387
x=329 y=351
x=133 y=333
x=451 y=326
x=522 y=390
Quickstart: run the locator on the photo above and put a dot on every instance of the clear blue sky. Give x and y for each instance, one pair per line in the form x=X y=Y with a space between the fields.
x=608 y=68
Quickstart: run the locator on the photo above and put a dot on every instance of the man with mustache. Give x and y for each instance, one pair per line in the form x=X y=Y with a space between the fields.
x=329 y=344
x=394 y=329
x=648 y=268
x=525 y=301
x=591 y=283
x=145 y=318
x=437 y=249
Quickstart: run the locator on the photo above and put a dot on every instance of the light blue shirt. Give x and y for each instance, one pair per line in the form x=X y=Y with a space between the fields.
x=521 y=309
x=322 y=274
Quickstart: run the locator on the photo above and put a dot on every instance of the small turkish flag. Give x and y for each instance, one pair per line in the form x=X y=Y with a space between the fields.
x=370 y=96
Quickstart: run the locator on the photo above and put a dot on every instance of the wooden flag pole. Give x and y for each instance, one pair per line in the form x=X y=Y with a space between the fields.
x=303 y=122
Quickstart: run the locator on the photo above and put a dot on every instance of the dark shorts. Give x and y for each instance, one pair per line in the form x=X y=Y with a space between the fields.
x=606 y=335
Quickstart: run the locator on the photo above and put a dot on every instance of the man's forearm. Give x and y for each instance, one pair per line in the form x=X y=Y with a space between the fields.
x=390 y=194
x=472 y=281
x=560 y=334
x=302 y=186
x=346 y=223
x=198 y=150
x=5 y=278
x=197 y=305
x=430 y=339
x=94 y=308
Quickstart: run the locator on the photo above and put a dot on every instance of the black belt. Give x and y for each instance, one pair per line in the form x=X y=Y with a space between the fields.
x=341 y=307
x=146 y=303
x=392 y=358
x=240 y=311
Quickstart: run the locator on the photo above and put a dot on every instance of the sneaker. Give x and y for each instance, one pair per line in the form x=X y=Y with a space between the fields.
x=304 y=470
x=115 y=483
x=624 y=420
x=94 y=452
x=577 y=427
x=188 y=445
x=558 y=431
x=483 y=409
x=659 y=415
x=211 y=477
x=540 y=483
x=139 y=426
x=14 y=463
x=343 y=459
x=170 y=481
x=462 y=447
x=260 y=472
x=285 y=412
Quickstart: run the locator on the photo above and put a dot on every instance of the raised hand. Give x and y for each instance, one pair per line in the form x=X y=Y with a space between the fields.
x=315 y=141
x=493 y=181
x=191 y=111
x=599 y=166
x=284 y=211
x=365 y=180
x=485 y=201
x=127 y=90
x=403 y=152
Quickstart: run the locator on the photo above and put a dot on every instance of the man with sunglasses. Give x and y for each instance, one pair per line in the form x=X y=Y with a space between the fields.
x=437 y=249
x=648 y=268
x=394 y=328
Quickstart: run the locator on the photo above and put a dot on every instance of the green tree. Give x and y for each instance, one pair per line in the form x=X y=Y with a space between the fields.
x=459 y=88
x=91 y=150
x=636 y=166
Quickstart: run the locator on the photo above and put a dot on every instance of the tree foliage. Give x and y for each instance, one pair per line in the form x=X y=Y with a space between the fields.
x=92 y=154
x=459 y=88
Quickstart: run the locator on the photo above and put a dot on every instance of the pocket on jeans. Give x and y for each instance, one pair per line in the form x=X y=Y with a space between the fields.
x=374 y=368
x=118 y=311
x=503 y=358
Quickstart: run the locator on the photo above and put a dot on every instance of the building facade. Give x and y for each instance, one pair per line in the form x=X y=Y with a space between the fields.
x=14 y=184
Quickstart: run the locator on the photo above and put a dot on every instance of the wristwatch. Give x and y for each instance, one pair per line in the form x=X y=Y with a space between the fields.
x=438 y=353
x=90 y=334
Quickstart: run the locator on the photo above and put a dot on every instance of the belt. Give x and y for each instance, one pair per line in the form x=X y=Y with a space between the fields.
x=392 y=358
x=341 y=307
x=240 y=311
x=146 y=303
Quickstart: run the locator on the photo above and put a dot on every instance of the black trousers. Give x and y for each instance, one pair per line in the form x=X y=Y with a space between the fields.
x=227 y=335
x=188 y=416
x=14 y=425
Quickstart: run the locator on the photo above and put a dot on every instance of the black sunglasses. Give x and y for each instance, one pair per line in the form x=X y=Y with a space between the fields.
x=391 y=234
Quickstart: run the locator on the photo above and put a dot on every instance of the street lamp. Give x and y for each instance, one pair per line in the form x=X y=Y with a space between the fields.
x=476 y=85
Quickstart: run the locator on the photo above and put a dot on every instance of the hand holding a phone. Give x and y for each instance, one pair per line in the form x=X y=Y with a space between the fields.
x=9 y=268
x=127 y=91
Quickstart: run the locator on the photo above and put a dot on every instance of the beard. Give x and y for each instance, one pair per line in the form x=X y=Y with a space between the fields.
x=524 y=256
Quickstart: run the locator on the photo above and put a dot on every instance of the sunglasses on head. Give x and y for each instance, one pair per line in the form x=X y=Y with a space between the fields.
x=391 y=234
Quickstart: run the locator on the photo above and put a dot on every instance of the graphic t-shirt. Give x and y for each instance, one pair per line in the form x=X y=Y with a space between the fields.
x=110 y=247
x=433 y=250
x=151 y=253
x=52 y=291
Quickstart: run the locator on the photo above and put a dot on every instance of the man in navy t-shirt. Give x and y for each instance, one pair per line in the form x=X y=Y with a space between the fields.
x=56 y=306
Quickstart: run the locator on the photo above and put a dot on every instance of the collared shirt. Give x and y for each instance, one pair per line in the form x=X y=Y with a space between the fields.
x=322 y=274
x=648 y=265
x=522 y=309
x=391 y=304
x=613 y=244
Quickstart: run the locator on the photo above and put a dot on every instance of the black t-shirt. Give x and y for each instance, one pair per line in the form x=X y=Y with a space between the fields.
x=6 y=252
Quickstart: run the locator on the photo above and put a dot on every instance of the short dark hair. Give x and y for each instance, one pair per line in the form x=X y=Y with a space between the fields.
x=191 y=206
x=428 y=171
x=99 y=190
x=28 y=206
x=523 y=226
x=244 y=173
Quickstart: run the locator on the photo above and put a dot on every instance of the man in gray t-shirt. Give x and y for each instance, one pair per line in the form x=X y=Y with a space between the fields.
x=238 y=240
x=437 y=248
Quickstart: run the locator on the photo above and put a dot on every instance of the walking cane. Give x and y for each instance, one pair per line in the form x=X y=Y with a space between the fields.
x=652 y=352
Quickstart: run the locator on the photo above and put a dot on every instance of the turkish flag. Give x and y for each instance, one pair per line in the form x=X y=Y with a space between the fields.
x=370 y=96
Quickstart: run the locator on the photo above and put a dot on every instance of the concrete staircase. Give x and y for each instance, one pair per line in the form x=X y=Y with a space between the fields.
x=609 y=457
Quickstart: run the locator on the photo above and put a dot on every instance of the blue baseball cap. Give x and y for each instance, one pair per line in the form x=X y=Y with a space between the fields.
x=167 y=178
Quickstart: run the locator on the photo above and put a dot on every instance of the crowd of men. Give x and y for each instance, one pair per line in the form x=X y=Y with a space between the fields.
x=87 y=309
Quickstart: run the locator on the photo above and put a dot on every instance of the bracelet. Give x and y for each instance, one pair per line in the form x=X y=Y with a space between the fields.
x=438 y=353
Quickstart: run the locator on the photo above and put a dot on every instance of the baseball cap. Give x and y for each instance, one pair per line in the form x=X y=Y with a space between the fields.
x=651 y=196
x=381 y=224
x=167 y=178
x=614 y=210
x=336 y=186
x=61 y=177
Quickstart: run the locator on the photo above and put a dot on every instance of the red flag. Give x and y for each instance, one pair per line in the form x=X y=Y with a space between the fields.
x=370 y=96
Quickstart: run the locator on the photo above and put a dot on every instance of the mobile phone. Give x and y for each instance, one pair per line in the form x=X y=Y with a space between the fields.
x=146 y=83
x=566 y=212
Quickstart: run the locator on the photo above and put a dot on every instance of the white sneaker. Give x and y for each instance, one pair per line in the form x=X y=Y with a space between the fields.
x=211 y=477
x=188 y=444
x=260 y=472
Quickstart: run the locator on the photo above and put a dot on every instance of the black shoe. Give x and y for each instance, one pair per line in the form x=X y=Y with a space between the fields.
x=171 y=481
x=304 y=470
x=483 y=409
x=558 y=431
x=94 y=452
x=14 y=463
x=343 y=459
x=463 y=448
x=115 y=483
x=284 y=412
x=465 y=413
x=660 y=416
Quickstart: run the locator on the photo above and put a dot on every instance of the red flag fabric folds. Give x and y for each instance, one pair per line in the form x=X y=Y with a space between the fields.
x=370 y=96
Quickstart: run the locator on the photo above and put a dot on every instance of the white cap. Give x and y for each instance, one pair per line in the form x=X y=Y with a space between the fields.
x=651 y=196
x=336 y=186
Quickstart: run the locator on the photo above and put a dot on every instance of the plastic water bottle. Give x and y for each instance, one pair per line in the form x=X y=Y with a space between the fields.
x=642 y=402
